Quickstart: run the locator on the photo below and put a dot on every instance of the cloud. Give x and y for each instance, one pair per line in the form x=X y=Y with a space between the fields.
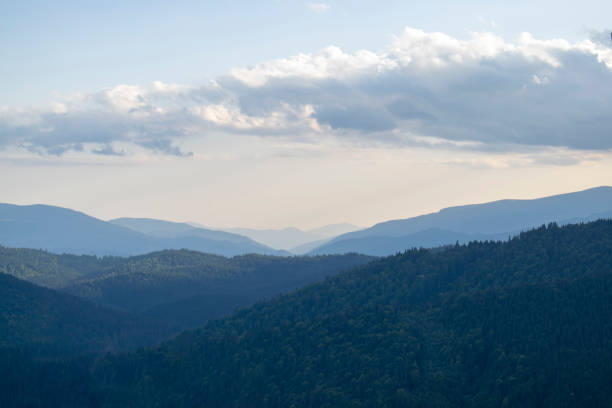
x=318 y=7
x=424 y=89
x=108 y=150
x=602 y=37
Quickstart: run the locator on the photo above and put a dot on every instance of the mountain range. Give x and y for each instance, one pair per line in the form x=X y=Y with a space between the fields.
x=61 y=230
x=293 y=239
x=524 y=322
x=495 y=220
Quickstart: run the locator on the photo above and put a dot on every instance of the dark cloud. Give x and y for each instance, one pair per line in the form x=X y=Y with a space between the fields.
x=107 y=150
x=361 y=118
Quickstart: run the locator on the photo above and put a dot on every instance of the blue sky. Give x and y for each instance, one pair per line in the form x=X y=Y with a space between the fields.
x=270 y=114
x=75 y=46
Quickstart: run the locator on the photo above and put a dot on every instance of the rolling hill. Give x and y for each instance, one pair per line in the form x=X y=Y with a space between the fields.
x=187 y=288
x=493 y=221
x=520 y=323
x=49 y=323
x=53 y=270
x=61 y=230
x=180 y=288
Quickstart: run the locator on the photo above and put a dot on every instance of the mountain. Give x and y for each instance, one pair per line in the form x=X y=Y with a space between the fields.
x=494 y=220
x=308 y=247
x=187 y=288
x=167 y=229
x=52 y=270
x=333 y=230
x=385 y=245
x=524 y=322
x=52 y=323
x=62 y=230
x=180 y=288
x=290 y=238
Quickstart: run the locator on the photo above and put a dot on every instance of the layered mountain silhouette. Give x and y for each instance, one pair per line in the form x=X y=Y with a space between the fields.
x=521 y=323
x=496 y=220
x=293 y=239
x=62 y=230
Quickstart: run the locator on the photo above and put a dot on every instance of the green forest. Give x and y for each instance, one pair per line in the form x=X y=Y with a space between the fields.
x=173 y=289
x=525 y=322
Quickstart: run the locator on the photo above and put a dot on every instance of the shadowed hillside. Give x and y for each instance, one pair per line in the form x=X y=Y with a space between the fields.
x=519 y=323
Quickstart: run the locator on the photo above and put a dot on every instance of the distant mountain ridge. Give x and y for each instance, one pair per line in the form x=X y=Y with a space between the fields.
x=169 y=229
x=61 y=230
x=294 y=239
x=494 y=220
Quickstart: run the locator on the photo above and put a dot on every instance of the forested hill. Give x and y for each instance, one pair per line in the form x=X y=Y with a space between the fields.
x=521 y=323
x=187 y=288
x=49 y=323
x=180 y=288
x=52 y=270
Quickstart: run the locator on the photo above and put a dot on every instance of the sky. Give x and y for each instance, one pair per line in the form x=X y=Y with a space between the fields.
x=289 y=113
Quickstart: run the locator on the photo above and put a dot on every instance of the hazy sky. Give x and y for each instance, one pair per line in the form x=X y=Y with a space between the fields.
x=279 y=113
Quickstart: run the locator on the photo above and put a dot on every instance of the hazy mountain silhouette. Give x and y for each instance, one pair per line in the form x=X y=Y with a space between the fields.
x=168 y=229
x=494 y=220
x=61 y=230
x=290 y=238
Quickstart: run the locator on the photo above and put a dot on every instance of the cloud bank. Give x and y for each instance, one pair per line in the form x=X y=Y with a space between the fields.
x=426 y=89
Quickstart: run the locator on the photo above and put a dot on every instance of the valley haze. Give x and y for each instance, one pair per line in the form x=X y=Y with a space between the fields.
x=61 y=230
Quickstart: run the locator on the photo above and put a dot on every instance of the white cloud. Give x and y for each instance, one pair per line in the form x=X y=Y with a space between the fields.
x=318 y=7
x=424 y=89
x=331 y=62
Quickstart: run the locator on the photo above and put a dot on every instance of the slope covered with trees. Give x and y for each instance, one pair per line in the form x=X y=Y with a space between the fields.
x=48 y=323
x=52 y=270
x=521 y=323
x=488 y=324
x=179 y=287
x=187 y=288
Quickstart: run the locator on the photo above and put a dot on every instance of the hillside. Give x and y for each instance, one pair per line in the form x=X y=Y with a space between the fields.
x=519 y=323
x=385 y=245
x=523 y=323
x=179 y=287
x=188 y=288
x=61 y=230
x=494 y=220
x=52 y=270
x=49 y=323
